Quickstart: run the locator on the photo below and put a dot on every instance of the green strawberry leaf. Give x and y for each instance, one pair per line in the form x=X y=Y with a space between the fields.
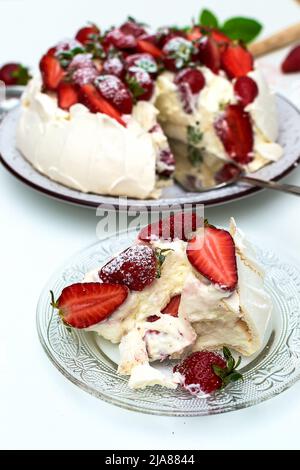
x=207 y=18
x=242 y=29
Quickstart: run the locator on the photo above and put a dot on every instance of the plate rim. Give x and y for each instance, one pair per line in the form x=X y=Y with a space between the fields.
x=132 y=407
x=139 y=204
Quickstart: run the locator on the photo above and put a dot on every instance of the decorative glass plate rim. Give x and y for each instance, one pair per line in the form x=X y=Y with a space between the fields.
x=19 y=167
x=288 y=380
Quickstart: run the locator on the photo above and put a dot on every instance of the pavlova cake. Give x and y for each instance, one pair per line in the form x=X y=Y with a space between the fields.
x=100 y=115
x=183 y=290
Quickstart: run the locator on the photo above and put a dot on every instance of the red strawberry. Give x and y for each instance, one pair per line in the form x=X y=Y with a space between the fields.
x=114 y=66
x=86 y=304
x=143 y=61
x=234 y=129
x=140 y=84
x=236 y=60
x=180 y=225
x=209 y=54
x=292 y=62
x=171 y=309
x=116 y=92
x=135 y=267
x=52 y=72
x=193 y=77
x=212 y=253
x=91 y=97
x=194 y=34
x=86 y=34
x=67 y=95
x=133 y=28
x=177 y=53
x=149 y=48
x=220 y=37
x=207 y=371
x=119 y=40
x=14 y=74
x=246 y=90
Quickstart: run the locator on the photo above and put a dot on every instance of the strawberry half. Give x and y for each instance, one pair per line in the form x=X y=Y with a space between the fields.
x=246 y=90
x=135 y=267
x=180 y=226
x=207 y=371
x=148 y=47
x=209 y=54
x=234 y=129
x=236 y=60
x=91 y=97
x=67 y=95
x=87 y=34
x=170 y=309
x=85 y=304
x=14 y=74
x=292 y=62
x=212 y=254
x=52 y=72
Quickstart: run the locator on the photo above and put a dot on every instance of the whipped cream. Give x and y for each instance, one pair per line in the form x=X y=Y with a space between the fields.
x=87 y=151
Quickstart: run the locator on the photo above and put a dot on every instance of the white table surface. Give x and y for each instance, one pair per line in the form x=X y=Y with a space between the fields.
x=39 y=408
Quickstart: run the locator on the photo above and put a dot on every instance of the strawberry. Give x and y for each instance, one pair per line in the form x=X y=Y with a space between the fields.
x=52 y=72
x=179 y=225
x=207 y=371
x=149 y=48
x=116 y=92
x=177 y=52
x=193 y=77
x=140 y=83
x=227 y=173
x=171 y=309
x=236 y=60
x=14 y=74
x=133 y=28
x=67 y=95
x=114 y=66
x=292 y=62
x=220 y=37
x=85 y=304
x=142 y=61
x=91 y=97
x=246 y=90
x=87 y=34
x=116 y=38
x=212 y=253
x=194 y=34
x=135 y=268
x=234 y=129
x=209 y=54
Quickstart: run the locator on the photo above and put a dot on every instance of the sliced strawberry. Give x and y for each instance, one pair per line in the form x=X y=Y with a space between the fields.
x=207 y=371
x=236 y=60
x=149 y=48
x=291 y=63
x=246 y=90
x=119 y=40
x=85 y=304
x=220 y=37
x=209 y=54
x=116 y=92
x=67 y=95
x=234 y=129
x=194 y=34
x=86 y=34
x=52 y=72
x=212 y=254
x=91 y=97
x=171 y=309
x=173 y=306
x=227 y=173
x=135 y=267
x=14 y=74
x=133 y=28
x=180 y=226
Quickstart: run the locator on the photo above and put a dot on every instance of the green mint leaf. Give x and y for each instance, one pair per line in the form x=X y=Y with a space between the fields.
x=135 y=87
x=242 y=29
x=194 y=135
x=195 y=155
x=207 y=18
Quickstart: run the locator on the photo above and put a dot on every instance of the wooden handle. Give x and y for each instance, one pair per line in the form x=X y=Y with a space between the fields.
x=276 y=41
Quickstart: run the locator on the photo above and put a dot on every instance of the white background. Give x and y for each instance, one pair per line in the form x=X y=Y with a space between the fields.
x=39 y=408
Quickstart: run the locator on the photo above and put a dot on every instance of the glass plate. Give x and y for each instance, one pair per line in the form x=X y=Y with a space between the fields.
x=90 y=362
